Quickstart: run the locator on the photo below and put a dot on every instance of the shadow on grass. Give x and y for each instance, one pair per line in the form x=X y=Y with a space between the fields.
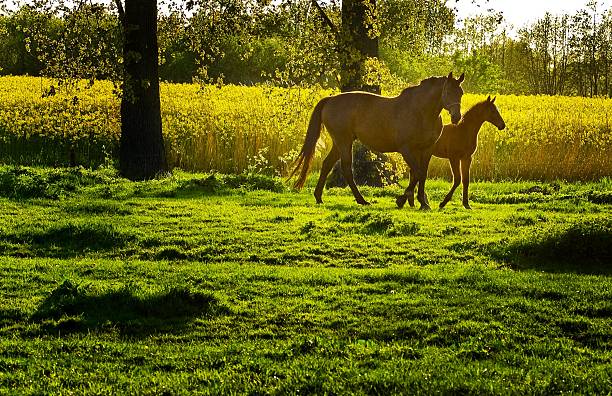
x=64 y=239
x=583 y=247
x=72 y=309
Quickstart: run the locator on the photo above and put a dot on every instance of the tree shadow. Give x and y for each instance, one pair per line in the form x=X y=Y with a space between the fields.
x=64 y=239
x=72 y=309
x=584 y=247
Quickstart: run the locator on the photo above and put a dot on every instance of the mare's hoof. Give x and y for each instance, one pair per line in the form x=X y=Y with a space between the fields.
x=467 y=205
x=319 y=201
x=425 y=207
x=363 y=202
x=401 y=201
x=410 y=201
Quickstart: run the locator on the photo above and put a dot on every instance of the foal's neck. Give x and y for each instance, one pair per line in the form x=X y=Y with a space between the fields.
x=473 y=121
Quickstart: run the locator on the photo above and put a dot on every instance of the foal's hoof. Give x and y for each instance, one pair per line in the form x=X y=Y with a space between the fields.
x=467 y=205
x=425 y=208
x=363 y=202
x=410 y=201
x=401 y=201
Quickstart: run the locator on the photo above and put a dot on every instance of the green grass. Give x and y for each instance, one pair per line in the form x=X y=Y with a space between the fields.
x=234 y=284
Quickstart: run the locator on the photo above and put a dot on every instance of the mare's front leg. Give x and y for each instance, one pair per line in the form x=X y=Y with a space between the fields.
x=454 y=164
x=346 y=163
x=414 y=179
x=465 y=175
x=409 y=193
x=424 y=164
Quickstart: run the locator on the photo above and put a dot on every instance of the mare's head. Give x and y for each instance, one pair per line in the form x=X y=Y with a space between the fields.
x=491 y=114
x=451 y=96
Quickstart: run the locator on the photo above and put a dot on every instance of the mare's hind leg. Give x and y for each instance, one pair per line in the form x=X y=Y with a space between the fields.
x=454 y=164
x=328 y=164
x=346 y=163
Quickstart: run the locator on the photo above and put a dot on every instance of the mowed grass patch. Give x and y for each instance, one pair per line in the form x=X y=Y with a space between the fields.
x=257 y=328
x=174 y=286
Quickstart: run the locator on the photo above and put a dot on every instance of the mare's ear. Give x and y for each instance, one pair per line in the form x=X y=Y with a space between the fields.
x=450 y=75
x=493 y=101
x=489 y=98
x=461 y=78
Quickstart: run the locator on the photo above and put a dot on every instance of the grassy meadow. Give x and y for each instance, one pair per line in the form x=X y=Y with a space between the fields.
x=225 y=284
x=233 y=129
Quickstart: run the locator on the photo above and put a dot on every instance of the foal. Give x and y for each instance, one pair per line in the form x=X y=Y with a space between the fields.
x=458 y=143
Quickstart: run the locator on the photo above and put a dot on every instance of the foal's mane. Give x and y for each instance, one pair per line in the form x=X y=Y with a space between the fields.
x=474 y=110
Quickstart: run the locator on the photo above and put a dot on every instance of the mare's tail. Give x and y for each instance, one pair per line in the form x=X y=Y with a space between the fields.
x=304 y=160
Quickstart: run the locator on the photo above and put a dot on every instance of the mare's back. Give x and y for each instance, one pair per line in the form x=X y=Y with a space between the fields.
x=355 y=109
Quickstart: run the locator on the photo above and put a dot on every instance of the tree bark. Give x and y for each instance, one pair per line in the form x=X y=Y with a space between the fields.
x=142 y=155
x=358 y=43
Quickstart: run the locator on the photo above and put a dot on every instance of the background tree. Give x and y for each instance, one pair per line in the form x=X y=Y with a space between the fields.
x=141 y=153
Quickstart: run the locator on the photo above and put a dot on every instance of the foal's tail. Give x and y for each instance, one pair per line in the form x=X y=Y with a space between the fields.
x=304 y=160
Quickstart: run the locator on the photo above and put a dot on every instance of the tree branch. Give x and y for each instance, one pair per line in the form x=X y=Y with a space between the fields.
x=121 y=12
x=326 y=19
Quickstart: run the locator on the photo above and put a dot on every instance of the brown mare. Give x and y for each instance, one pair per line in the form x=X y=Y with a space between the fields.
x=409 y=124
x=458 y=144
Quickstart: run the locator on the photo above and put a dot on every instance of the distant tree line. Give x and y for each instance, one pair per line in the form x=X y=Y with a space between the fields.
x=293 y=42
x=556 y=55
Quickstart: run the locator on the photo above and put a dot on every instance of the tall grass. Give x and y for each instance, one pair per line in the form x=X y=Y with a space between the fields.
x=260 y=129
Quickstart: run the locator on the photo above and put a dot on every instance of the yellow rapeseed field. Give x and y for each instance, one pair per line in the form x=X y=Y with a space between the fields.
x=235 y=129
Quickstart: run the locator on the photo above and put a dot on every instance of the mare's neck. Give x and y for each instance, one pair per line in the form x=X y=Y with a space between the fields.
x=432 y=105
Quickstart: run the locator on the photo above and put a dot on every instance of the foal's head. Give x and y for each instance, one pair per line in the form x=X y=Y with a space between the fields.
x=491 y=114
x=451 y=96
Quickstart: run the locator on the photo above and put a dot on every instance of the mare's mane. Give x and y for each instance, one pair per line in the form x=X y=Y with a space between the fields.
x=424 y=83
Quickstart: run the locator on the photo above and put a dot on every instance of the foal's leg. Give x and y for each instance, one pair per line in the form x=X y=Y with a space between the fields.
x=346 y=163
x=328 y=164
x=454 y=164
x=465 y=174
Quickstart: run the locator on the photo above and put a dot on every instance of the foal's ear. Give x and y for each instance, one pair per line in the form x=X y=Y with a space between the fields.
x=450 y=75
x=461 y=78
x=493 y=101
x=489 y=98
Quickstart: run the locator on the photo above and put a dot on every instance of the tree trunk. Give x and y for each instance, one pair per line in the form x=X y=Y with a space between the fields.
x=142 y=155
x=357 y=43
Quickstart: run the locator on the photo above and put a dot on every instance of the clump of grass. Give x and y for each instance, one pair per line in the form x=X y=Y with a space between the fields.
x=547 y=189
x=521 y=220
x=20 y=182
x=600 y=197
x=512 y=198
x=586 y=242
x=96 y=207
x=379 y=223
x=217 y=183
